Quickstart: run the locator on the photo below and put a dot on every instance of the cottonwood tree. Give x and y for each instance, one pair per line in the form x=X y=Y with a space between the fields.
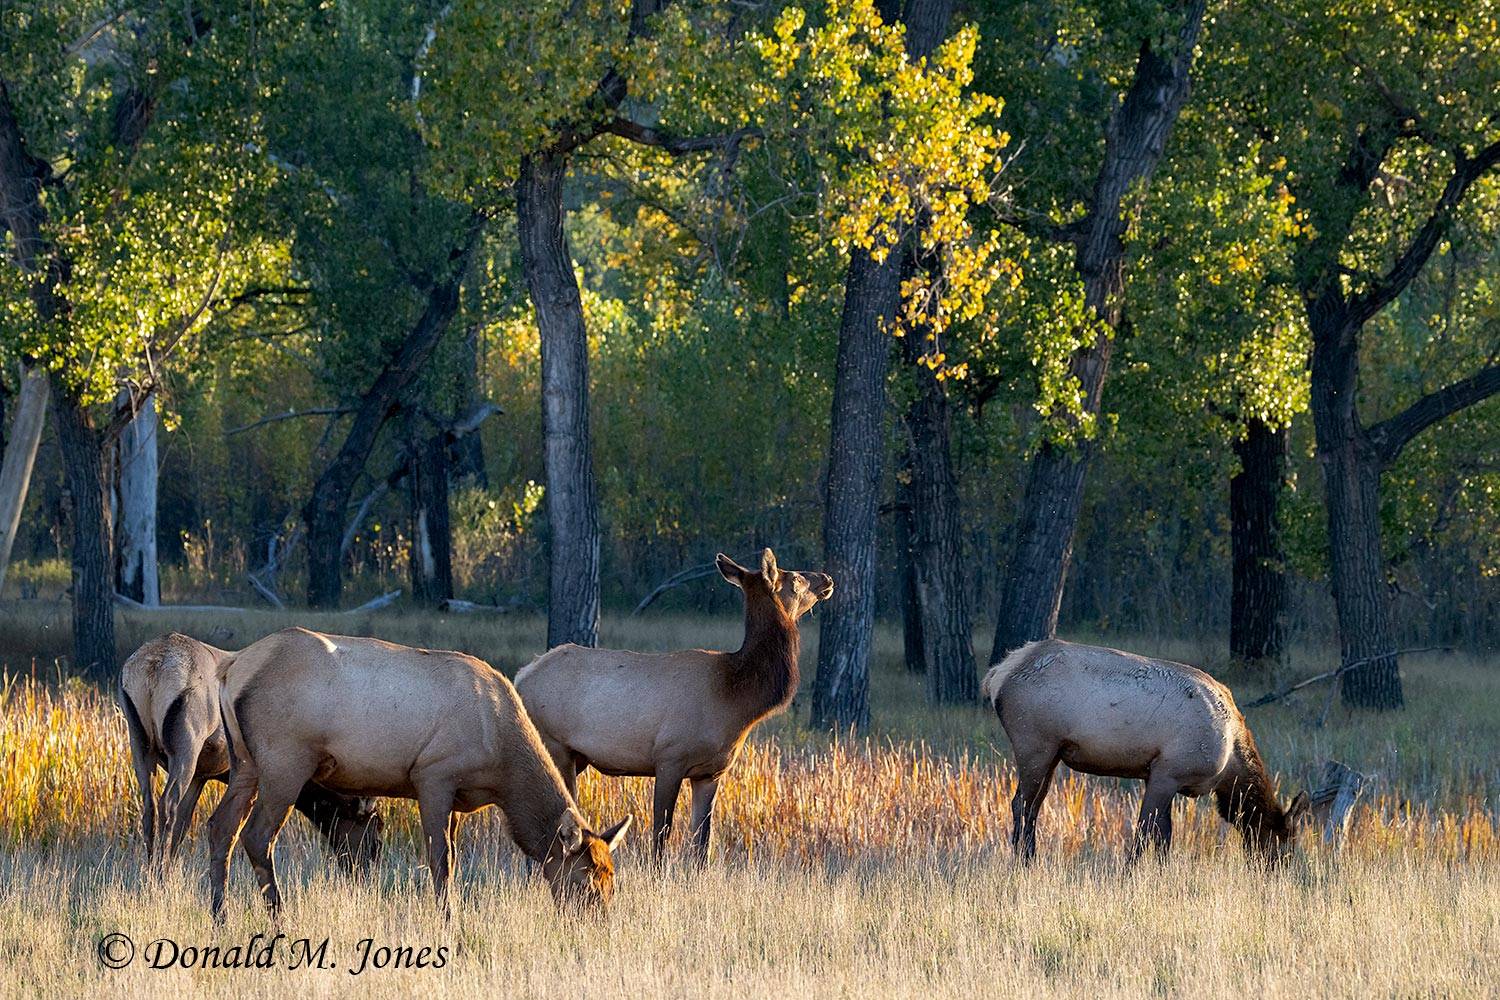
x=380 y=250
x=513 y=96
x=1385 y=116
x=1218 y=352
x=1094 y=94
x=903 y=151
x=122 y=165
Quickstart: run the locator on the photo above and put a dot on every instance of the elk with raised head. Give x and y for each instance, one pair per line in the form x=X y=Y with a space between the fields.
x=365 y=717
x=1106 y=712
x=675 y=716
x=169 y=694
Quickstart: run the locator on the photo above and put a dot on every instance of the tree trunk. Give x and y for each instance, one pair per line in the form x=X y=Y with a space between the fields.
x=1134 y=141
x=911 y=612
x=135 y=508
x=431 y=537
x=851 y=503
x=20 y=458
x=572 y=510
x=872 y=292
x=937 y=543
x=84 y=453
x=324 y=511
x=1351 y=479
x=1258 y=590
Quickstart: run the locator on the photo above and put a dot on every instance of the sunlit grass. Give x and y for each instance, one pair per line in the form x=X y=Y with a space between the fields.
x=855 y=867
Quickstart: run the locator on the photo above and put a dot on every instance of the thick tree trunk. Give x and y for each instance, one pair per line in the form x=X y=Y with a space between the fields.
x=1258 y=590
x=913 y=654
x=324 y=511
x=431 y=537
x=20 y=458
x=1351 y=479
x=872 y=292
x=851 y=504
x=1134 y=141
x=84 y=452
x=937 y=543
x=572 y=510
x=135 y=507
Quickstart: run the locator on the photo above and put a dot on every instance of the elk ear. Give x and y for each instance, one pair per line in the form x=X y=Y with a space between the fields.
x=768 y=565
x=615 y=835
x=729 y=569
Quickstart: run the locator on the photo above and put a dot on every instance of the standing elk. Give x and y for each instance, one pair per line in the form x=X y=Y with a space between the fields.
x=169 y=693
x=1106 y=712
x=675 y=716
x=366 y=717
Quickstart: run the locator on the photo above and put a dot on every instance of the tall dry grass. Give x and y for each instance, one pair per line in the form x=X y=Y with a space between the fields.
x=842 y=868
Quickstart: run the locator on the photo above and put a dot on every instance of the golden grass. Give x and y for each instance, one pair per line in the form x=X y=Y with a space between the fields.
x=853 y=868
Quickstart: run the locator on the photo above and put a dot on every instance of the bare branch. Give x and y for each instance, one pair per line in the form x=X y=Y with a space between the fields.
x=317 y=411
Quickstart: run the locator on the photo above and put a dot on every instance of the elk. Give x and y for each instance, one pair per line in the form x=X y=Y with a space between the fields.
x=1106 y=712
x=675 y=716
x=169 y=694
x=365 y=717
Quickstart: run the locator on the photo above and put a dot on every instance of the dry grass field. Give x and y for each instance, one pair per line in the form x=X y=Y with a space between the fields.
x=854 y=868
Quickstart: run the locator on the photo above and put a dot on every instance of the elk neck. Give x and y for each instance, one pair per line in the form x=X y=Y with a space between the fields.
x=762 y=675
x=1247 y=798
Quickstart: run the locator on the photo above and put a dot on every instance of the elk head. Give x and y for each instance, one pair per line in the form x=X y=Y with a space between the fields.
x=794 y=592
x=580 y=867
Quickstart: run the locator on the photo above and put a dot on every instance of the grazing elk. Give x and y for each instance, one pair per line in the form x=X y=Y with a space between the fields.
x=1103 y=711
x=366 y=717
x=169 y=693
x=675 y=716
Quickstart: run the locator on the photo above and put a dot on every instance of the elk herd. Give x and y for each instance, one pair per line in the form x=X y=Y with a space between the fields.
x=326 y=724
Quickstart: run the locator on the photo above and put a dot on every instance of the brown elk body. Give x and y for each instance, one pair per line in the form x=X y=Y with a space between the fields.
x=678 y=716
x=365 y=717
x=169 y=694
x=1106 y=712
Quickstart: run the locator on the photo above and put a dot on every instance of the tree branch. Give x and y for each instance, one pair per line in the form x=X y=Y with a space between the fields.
x=1409 y=265
x=1391 y=435
x=674 y=144
x=317 y=411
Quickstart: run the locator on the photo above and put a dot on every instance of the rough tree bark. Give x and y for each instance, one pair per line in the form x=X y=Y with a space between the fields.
x=872 y=292
x=135 y=506
x=20 y=458
x=1353 y=456
x=1134 y=140
x=937 y=542
x=324 y=511
x=1258 y=577
x=911 y=611
x=85 y=453
x=431 y=537
x=572 y=508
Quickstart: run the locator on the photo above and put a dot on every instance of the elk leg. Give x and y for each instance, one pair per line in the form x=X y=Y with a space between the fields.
x=436 y=806
x=567 y=766
x=663 y=805
x=224 y=829
x=265 y=822
x=145 y=771
x=1033 y=779
x=180 y=765
x=704 y=790
x=1155 y=823
x=185 y=809
x=455 y=822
